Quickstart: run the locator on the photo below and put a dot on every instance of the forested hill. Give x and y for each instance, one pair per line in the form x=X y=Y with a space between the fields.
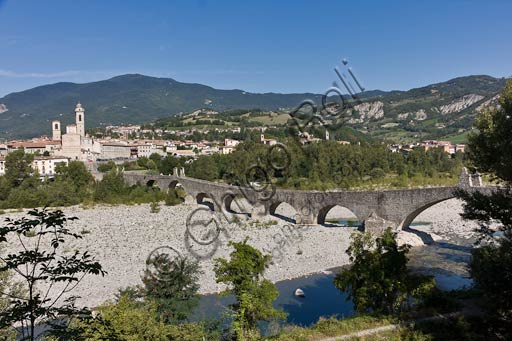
x=437 y=109
x=124 y=99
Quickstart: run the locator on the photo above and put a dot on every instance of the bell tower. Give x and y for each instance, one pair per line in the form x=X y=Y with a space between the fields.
x=80 y=119
x=56 y=131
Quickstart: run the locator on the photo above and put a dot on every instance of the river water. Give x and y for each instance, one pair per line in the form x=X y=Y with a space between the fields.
x=446 y=260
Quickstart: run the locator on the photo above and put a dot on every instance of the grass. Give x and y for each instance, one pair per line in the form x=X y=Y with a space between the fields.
x=329 y=327
x=278 y=119
x=459 y=138
x=452 y=328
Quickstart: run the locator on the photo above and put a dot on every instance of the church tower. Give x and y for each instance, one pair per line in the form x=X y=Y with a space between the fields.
x=80 y=119
x=56 y=130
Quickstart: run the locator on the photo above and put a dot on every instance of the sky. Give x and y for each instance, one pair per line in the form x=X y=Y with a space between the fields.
x=258 y=46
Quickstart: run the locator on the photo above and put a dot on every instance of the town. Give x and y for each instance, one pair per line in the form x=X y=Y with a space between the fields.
x=127 y=143
x=255 y=170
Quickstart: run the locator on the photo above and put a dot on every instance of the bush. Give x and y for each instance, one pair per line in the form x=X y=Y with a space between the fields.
x=172 y=198
x=377 y=173
x=107 y=167
x=154 y=207
x=379 y=280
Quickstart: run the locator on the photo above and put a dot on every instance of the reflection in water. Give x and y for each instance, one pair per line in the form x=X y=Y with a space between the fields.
x=446 y=261
x=322 y=299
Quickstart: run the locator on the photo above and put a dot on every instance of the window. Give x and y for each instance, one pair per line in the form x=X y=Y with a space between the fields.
x=56 y=126
x=79 y=118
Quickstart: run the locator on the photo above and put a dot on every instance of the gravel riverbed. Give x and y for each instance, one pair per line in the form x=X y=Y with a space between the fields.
x=122 y=237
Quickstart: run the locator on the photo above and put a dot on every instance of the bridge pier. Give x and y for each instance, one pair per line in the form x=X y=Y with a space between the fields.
x=305 y=216
x=377 y=225
x=189 y=199
x=258 y=211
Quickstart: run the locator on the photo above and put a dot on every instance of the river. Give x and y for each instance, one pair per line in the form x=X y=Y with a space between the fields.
x=446 y=260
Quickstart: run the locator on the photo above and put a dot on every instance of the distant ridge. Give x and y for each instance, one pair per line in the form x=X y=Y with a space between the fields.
x=135 y=98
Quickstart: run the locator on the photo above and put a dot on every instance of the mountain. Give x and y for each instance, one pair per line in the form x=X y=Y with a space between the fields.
x=137 y=98
x=442 y=110
x=125 y=99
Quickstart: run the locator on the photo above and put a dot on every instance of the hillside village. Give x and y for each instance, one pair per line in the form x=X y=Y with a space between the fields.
x=128 y=143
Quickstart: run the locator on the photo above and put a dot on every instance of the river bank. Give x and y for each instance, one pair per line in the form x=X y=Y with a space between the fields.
x=122 y=238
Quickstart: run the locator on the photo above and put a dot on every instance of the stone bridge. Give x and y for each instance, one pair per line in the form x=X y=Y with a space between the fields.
x=376 y=209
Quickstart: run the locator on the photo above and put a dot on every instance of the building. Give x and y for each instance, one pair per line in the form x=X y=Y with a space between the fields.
x=446 y=146
x=269 y=142
x=74 y=144
x=229 y=146
x=183 y=152
x=116 y=150
x=44 y=165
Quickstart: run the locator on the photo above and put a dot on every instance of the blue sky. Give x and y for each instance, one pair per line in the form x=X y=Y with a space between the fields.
x=259 y=46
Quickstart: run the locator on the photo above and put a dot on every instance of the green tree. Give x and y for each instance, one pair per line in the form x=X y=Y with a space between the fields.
x=76 y=173
x=167 y=164
x=143 y=162
x=38 y=263
x=172 y=198
x=173 y=285
x=243 y=273
x=378 y=279
x=490 y=148
x=105 y=167
x=155 y=157
x=204 y=168
x=8 y=288
x=111 y=188
x=18 y=167
x=491 y=264
x=129 y=320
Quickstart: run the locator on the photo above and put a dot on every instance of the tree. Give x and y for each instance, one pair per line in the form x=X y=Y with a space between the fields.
x=18 y=167
x=243 y=273
x=490 y=148
x=172 y=285
x=111 y=187
x=8 y=288
x=491 y=264
x=155 y=157
x=378 y=279
x=130 y=320
x=41 y=263
x=143 y=162
x=204 y=168
x=167 y=164
x=76 y=173
x=105 y=167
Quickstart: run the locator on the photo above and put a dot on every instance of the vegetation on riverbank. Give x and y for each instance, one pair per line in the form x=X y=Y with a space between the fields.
x=21 y=186
x=329 y=165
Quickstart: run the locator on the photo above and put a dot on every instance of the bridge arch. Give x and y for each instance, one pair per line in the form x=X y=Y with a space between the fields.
x=175 y=183
x=284 y=211
x=236 y=204
x=200 y=199
x=152 y=183
x=411 y=216
x=339 y=212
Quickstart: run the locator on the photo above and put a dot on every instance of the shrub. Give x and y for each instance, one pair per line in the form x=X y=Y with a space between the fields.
x=172 y=198
x=154 y=207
